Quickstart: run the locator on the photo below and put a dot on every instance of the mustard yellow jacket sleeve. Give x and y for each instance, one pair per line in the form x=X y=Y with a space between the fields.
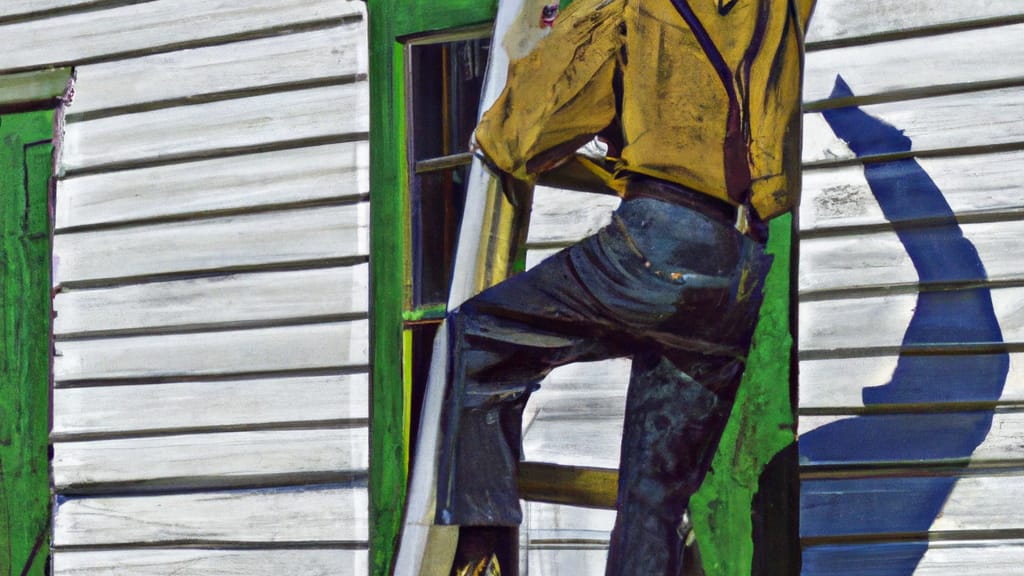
x=559 y=95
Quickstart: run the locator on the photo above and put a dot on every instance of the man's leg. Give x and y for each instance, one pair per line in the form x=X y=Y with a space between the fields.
x=672 y=427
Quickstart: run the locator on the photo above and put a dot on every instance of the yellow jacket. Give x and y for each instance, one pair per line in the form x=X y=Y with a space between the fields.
x=707 y=95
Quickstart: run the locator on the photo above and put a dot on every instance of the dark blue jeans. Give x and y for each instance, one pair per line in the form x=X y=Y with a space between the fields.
x=678 y=292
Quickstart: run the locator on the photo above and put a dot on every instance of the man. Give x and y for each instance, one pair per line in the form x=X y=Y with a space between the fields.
x=701 y=98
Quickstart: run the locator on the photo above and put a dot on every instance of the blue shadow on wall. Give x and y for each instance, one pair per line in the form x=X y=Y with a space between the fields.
x=906 y=507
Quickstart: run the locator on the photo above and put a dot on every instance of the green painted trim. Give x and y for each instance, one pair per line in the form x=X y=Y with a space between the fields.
x=33 y=88
x=762 y=425
x=25 y=167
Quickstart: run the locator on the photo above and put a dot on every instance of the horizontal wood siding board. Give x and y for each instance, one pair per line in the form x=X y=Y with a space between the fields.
x=561 y=523
x=99 y=411
x=328 y=346
x=325 y=514
x=560 y=216
x=336 y=52
x=41 y=8
x=834 y=325
x=157 y=26
x=969 y=59
x=912 y=439
x=838 y=385
x=178 y=561
x=968 y=121
x=849 y=21
x=878 y=259
x=226 y=459
x=881 y=507
x=976 y=186
x=941 y=558
x=200 y=130
x=215 y=301
x=232 y=184
x=213 y=244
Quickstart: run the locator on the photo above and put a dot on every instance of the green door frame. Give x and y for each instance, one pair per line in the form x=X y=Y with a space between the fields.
x=762 y=439
x=27 y=103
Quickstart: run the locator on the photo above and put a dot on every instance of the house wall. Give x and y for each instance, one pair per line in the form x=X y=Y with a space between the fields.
x=210 y=277
x=923 y=478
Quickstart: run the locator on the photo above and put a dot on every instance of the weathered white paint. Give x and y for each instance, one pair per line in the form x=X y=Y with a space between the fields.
x=582 y=440
x=983 y=503
x=977 y=558
x=1002 y=445
x=152 y=408
x=565 y=216
x=227 y=124
x=202 y=561
x=562 y=560
x=211 y=244
x=205 y=460
x=983 y=118
x=973 y=185
x=316 y=514
x=307 y=347
x=910 y=64
x=879 y=259
x=267 y=62
x=38 y=8
x=218 y=300
x=838 y=384
x=847 y=19
x=882 y=321
x=333 y=171
x=560 y=522
x=160 y=25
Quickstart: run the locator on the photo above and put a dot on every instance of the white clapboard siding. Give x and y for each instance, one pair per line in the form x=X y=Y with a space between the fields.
x=38 y=7
x=315 y=346
x=160 y=25
x=564 y=216
x=1001 y=446
x=205 y=561
x=882 y=321
x=973 y=185
x=910 y=64
x=266 y=62
x=563 y=560
x=205 y=460
x=977 y=558
x=219 y=300
x=239 y=123
x=554 y=523
x=849 y=19
x=234 y=183
x=837 y=384
x=301 y=235
x=975 y=119
x=590 y=441
x=879 y=259
x=316 y=514
x=149 y=408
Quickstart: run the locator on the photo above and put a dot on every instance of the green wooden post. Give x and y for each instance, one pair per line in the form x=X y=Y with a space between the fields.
x=25 y=166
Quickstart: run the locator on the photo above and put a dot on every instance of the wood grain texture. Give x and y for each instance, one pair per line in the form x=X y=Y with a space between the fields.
x=975 y=557
x=310 y=347
x=850 y=19
x=838 y=384
x=1000 y=447
x=211 y=244
x=564 y=216
x=967 y=57
x=226 y=459
x=331 y=514
x=831 y=325
x=214 y=301
x=154 y=26
x=42 y=86
x=187 y=74
x=561 y=523
x=312 y=174
x=879 y=259
x=182 y=406
x=201 y=129
x=202 y=561
x=975 y=119
x=975 y=504
x=974 y=185
x=40 y=7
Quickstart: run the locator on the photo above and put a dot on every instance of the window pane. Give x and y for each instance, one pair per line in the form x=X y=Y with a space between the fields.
x=437 y=202
x=446 y=83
